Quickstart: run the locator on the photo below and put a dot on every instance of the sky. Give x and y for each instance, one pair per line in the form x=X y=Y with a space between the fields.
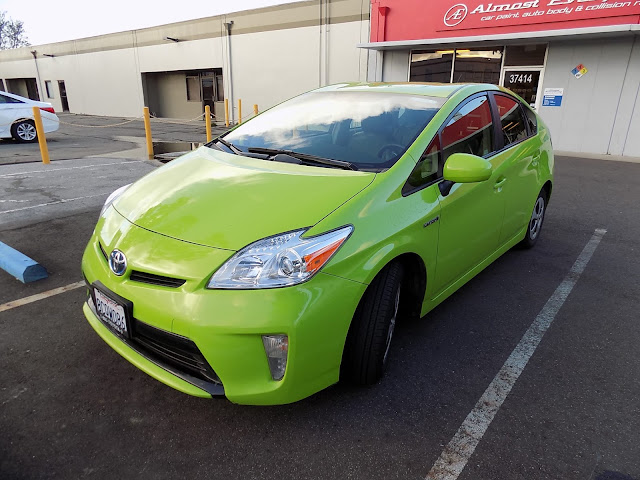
x=56 y=21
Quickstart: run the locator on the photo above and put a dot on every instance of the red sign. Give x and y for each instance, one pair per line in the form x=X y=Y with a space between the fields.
x=396 y=20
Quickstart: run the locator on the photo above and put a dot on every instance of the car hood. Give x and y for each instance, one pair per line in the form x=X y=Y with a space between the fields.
x=220 y=200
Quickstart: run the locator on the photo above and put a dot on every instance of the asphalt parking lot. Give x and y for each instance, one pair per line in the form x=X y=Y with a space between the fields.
x=95 y=136
x=71 y=407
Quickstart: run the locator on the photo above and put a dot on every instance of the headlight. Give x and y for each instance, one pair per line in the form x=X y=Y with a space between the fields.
x=112 y=198
x=279 y=261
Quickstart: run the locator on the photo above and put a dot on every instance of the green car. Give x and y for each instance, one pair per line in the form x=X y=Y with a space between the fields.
x=275 y=260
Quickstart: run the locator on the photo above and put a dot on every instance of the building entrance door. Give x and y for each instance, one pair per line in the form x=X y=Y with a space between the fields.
x=63 y=95
x=208 y=91
x=525 y=81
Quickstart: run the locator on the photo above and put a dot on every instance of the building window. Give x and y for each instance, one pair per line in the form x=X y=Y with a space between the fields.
x=525 y=55
x=460 y=65
x=48 y=88
x=431 y=66
x=219 y=89
x=193 y=89
x=477 y=66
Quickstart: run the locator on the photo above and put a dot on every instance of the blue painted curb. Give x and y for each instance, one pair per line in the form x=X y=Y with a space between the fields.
x=20 y=266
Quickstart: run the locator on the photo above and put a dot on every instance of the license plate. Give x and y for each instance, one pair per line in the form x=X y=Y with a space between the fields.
x=112 y=313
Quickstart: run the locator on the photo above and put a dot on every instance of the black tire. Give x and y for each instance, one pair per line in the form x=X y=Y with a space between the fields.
x=534 y=227
x=369 y=337
x=24 y=131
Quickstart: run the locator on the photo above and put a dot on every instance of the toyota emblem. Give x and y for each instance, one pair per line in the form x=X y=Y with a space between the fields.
x=118 y=262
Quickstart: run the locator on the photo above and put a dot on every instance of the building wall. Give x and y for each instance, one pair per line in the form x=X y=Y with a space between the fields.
x=625 y=138
x=395 y=66
x=273 y=53
x=599 y=111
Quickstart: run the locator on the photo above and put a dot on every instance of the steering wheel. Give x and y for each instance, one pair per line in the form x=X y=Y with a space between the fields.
x=394 y=149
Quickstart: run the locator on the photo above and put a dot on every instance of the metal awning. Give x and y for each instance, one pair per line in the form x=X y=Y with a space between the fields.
x=510 y=38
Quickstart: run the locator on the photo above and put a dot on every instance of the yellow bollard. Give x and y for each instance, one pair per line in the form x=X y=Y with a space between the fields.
x=226 y=112
x=239 y=111
x=255 y=108
x=147 y=131
x=42 y=141
x=207 y=121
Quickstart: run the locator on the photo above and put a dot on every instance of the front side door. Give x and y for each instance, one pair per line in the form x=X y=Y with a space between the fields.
x=471 y=214
x=63 y=96
x=10 y=110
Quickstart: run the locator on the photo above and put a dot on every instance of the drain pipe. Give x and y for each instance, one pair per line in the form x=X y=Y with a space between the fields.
x=35 y=60
x=229 y=25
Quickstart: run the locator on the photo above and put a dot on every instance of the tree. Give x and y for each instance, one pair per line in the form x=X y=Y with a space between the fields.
x=12 y=34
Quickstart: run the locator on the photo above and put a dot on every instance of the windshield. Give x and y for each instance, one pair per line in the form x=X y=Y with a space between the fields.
x=369 y=130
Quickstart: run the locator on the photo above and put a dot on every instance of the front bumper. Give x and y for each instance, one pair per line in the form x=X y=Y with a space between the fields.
x=226 y=325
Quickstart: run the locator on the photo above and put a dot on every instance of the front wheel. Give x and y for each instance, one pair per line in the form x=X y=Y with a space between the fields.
x=369 y=338
x=535 y=223
x=24 y=131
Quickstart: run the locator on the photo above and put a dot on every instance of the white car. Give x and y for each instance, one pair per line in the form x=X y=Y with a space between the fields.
x=16 y=117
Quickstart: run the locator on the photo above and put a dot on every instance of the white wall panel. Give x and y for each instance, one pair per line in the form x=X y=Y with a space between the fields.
x=585 y=120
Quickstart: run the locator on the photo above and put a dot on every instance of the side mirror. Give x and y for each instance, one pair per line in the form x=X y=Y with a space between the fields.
x=467 y=168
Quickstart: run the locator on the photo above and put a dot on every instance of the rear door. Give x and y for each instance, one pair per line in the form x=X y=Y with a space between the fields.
x=520 y=153
x=471 y=214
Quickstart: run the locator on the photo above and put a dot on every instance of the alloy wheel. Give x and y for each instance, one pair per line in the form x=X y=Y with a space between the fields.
x=26 y=131
x=536 y=218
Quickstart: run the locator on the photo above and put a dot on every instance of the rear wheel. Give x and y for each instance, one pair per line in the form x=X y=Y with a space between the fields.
x=24 y=131
x=535 y=223
x=369 y=338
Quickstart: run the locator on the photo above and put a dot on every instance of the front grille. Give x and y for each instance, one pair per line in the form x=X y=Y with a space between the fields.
x=150 y=278
x=153 y=279
x=106 y=257
x=175 y=350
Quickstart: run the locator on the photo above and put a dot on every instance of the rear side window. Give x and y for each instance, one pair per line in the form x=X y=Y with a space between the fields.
x=531 y=120
x=511 y=119
x=470 y=130
x=4 y=99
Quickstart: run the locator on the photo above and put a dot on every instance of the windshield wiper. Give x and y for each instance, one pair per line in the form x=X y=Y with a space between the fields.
x=237 y=151
x=306 y=157
x=230 y=146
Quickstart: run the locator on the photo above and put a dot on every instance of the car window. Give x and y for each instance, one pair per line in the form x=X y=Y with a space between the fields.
x=470 y=130
x=531 y=120
x=511 y=119
x=371 y=130
x=426 y=170
x=5 y=99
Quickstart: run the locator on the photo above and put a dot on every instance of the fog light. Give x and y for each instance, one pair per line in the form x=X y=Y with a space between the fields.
x=277 y=349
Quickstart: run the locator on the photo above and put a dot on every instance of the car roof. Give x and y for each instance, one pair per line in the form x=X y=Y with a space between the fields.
x=443 y=90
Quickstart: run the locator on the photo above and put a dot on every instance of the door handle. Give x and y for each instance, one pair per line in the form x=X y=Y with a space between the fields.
x=499 y=184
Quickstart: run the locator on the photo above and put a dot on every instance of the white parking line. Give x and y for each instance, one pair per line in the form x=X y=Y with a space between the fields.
x=39 y=296
x=457 y=453
x=64 y=200
x=49 y=170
